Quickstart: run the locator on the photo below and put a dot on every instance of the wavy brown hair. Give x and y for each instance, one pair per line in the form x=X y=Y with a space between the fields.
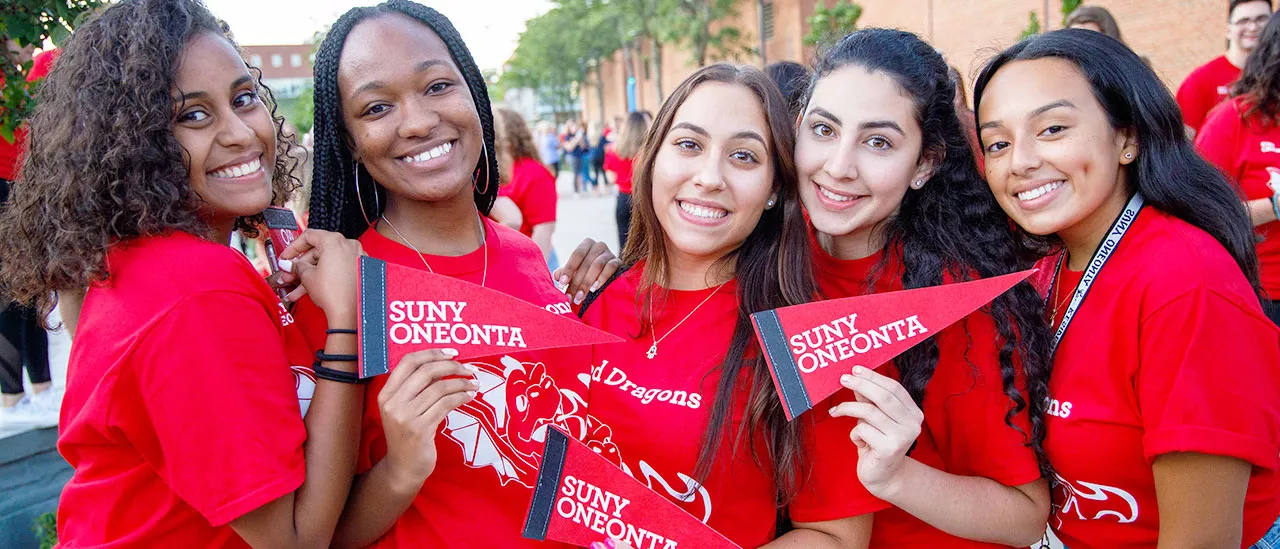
x=631 y=138
x=513 y=139
x=773 y=268
x=1260 y=80
x=104 y=165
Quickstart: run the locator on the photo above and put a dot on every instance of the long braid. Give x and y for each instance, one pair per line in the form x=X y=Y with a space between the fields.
x=335 y=206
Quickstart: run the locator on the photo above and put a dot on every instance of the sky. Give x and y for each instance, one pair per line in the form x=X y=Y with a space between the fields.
x=489 y=27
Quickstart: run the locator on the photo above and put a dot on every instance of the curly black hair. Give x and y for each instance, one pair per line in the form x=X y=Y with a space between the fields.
x=103 y=164
x=335 y=202
x=1260 y=79
x=952 y=229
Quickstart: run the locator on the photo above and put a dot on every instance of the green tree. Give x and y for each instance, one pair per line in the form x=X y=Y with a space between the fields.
x=1033 y=27
x=827 y=25
x=693 y=24
x=31 y=23
x=1069 y=6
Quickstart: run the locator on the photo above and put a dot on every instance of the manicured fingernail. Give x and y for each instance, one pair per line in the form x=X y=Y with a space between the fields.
x=564 y=281
x=595 y=287
x=471 y=394
x=832 y=411
x=577 y=299
x=285 y=265
x=449 y=352
x=597 y=545
x=474 y=383
x=611 y=544
x=857 y=370
x=846 y=379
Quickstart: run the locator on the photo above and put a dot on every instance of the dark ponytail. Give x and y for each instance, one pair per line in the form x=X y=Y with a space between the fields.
x=335 y=205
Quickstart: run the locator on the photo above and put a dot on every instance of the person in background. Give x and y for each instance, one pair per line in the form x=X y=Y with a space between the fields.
x=525 y=180
x=965 y=114
x=572 y=142
x=1163 y=428
x=1210 y=84
x=1096 y=19
x=1240 y=136
x=549 y=147
x=618 y=159
x=792 y=79
x=593 y=167
x=25 y=340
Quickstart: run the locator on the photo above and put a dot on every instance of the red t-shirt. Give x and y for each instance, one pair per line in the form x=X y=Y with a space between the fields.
x=621 y=168
x=1170 y=352
x=964 y=430
x=653 y=414
x=180 y=413
x=533 y=189
x=11 y=153
x=488 y=451
x=1249 y=152
x=1204 y=88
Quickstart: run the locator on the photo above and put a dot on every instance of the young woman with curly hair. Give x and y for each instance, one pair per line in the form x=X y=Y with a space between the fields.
x=525 y=180
x=949 y=432
x=686 y=403
x=1242 y=137
x=151 y=143
x=406 y=162
x=1164 y=424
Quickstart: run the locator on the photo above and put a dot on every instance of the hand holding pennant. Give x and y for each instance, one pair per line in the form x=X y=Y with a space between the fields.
x=809 y=346
x=581 y=497
x=404 y=310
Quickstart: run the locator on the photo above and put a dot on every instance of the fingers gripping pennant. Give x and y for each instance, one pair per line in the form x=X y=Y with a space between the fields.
x=581 y=497
x=808 y=347
x=404 y=310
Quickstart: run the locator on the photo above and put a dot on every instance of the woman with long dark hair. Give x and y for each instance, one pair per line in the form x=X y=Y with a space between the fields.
x=949 y=433
x=152 y=143
x=1240 y=136
x=1164 y=423
x=619 y=159
x=525 y=180
x=405 y=160
x=686 y=404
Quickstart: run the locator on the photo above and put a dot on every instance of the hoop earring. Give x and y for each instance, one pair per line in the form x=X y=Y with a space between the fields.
x=484 y=155
x=360 y=197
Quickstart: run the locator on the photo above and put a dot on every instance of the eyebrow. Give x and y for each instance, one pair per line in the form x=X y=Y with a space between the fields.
x=378 y=84
x=203 y=95
x=826 y=114
x=1061 y=103
x=869 y=125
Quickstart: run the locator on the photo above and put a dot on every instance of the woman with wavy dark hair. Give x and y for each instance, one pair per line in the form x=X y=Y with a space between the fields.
x=1242 y=137
x=686 y=404
x=152 y=142
x=1164 y=423
x=950 y=432
x=525 y=180
x=405 y=160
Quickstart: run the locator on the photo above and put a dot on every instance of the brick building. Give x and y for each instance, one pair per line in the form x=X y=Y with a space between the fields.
x=285 y=69
x=1175 y=35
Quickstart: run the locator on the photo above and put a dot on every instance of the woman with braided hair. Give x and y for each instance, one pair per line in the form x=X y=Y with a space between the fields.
x=405 y=161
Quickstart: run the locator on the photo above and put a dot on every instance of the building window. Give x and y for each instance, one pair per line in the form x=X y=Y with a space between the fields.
x=255 y=60
x=276 y=60
x=768 y=20
x=295 y=60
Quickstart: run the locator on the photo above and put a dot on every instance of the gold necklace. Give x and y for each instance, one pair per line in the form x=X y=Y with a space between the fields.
x=484 y=275
x=653 y=349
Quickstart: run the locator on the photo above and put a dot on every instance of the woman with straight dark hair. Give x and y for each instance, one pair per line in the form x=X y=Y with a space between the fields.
x=1096 y=19
x=619 y=159
x=1164 y=420
x=686 y=403
x=1240 y=136
x=949 y=432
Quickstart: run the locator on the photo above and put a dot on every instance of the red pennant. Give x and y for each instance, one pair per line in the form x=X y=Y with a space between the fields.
x=403 y=310
x=581 y=497
x=808 y=347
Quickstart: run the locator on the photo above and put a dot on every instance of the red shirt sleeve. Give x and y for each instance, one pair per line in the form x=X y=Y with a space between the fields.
x=539 y=200
x=1219 y=138
x=1209 y=380
x=1195 y=99
x=829 y=485
x=217 y=388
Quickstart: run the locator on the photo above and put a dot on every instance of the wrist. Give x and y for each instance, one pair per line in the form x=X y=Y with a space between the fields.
x=894 y=485
x=402 y=480
x=345 y=318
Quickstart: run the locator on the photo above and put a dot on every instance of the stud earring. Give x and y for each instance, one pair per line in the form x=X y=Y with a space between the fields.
x=770 y=203
x=918 y=183
x=1128 y=156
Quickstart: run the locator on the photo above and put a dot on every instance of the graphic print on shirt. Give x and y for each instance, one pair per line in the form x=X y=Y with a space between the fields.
x=688 y=494
x=1090 y=501
x=505 y=426
x=1274 y=182
x=304 y=381
x=1269 y=147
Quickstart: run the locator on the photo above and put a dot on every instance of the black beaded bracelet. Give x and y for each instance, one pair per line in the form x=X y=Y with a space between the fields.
x=337 y=375
x=332 y=331
x=325 y=357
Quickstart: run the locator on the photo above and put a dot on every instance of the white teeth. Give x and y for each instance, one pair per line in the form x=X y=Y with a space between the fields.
x=1040 y=191
x=833 y=196
x=703 y=211
x=436 y=152
x=247 y=168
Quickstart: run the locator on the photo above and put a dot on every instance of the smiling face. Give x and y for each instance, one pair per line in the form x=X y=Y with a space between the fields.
x=713 y=172
x=225 y=129
x=1053 y=160
x=857 y=154
x=408 y=111
x=1245 y=24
